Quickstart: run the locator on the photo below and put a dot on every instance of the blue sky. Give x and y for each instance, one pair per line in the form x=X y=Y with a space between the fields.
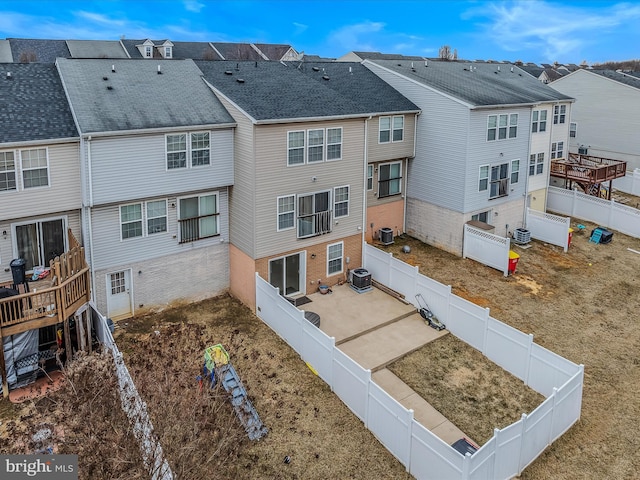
x=539 y=31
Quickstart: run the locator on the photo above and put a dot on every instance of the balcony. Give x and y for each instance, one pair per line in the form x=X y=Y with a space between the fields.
x=587 y=171
x=68 y=291
x=315 y=224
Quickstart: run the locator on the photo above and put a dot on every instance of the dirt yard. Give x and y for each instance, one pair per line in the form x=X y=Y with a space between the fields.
x=582 y=305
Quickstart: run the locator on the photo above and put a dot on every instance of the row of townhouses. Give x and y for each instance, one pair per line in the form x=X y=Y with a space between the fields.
x=183 y=178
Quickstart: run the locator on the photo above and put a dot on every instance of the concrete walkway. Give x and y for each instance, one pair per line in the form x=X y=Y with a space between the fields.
x=376 y=329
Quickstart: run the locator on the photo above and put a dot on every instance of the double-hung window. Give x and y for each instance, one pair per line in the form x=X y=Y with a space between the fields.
x=391 y=129
x=536 y=164
x=148 y=51
x=335 y=253
x=314 y=214
x=559 y=114
x=314 y=146
x=295 y=148
x=286 y=212
x=198 y=217
x=193 y=149
x=500 y=127
x=573 y=129
x=389 y=179
x=7 y=171
x=515 y=171
x=341 y=201
x=499 y=185
x=483 y=178
x=557 y=150
x=369 y=177
x=35 y=167
x=539 y=121
x=140 y=220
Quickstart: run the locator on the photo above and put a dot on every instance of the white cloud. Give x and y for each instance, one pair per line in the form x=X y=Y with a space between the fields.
x=300 y=27
x=555 y=29
x=355 y=37
x=193 y=5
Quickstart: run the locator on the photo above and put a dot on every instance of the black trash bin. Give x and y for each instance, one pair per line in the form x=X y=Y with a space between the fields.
x=18 y=270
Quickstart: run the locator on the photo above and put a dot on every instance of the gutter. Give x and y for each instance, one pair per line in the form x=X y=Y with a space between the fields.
x=28 y=143
x=143 y=131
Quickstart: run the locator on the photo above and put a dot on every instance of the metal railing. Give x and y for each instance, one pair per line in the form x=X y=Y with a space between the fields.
x=315 y=224
x=197 y=228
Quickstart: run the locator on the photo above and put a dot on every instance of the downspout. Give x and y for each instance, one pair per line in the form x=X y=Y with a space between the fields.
x=363 y=228
x=89 y=221
x=406 y=175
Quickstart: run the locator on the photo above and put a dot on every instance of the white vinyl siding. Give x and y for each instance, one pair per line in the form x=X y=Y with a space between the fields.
x=334 y=258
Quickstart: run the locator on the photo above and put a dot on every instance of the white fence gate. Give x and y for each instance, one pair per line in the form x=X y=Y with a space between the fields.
x=607 y=213
x=630 y=183
x=424 y=455
x=549 y=228
x=486 y=248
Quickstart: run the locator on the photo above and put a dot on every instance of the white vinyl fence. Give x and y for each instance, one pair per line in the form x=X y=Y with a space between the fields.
x=606 y=213
x=133 y=405
x=549 y=228
x=629 y=183
x=486 y=248
x=424 y=455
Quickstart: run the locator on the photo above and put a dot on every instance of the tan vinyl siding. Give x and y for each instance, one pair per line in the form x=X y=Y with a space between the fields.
x=130 y=167
x=276 y=179
x=377 y=152
x=242 y=194
x=62 y=193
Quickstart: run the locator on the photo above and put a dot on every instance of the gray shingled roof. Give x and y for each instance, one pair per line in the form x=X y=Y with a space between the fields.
x=139 y=97
x=5 y=52
x=33 y=104
x=276 y=91
x=237 y=51
x=628 y=79
x=534 y=71
x=132 y=50
x=386 y=56
x=482 y=86
x=273 y=51
x=27 y=50
x=96 y=49
x=194 y=50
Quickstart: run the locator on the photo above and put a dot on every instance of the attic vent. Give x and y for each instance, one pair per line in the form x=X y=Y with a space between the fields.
x=159 y=70
x=9 y=77
x=228 y=72
x=240 y=80
x=325 y=77
x=315 y=69
x=113 y=68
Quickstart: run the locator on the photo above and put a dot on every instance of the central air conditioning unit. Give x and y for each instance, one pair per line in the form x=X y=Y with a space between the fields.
x=521 y=236
x=360 y=280
x=386 y=236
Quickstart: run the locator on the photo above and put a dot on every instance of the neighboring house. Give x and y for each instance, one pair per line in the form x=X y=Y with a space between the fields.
x=39 y=167
x=28 y=50
x=157 y=164
x=473 y=144
x=5 y=52
x=604 y=120
x=96 y=49
x=298 y=200
x=361 y=56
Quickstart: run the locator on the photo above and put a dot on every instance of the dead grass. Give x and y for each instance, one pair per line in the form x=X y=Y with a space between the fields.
x=582 y=305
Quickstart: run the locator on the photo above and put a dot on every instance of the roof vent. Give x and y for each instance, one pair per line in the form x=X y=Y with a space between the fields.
x=105 y=78
x=315 y=69
x=228 y=72
x=113 y=68
x=325 y=77
x=498 y=67
x=426 y=63
x=240 y=80
x=350 y=70
x=511 y=69
x=9 y=77
x=109 y=87
x=159 y=70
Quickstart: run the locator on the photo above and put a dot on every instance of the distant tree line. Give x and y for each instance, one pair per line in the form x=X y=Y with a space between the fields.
x=630 y=65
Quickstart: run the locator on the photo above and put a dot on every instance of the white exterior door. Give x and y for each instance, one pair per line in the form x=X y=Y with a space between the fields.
x=119 y=295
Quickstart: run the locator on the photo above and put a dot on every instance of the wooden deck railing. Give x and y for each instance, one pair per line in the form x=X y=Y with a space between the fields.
x=588 y=169
x=70 y=289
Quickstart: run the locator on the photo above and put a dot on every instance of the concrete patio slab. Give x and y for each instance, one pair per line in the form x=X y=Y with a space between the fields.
x=345 y=313
x=380 y=347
